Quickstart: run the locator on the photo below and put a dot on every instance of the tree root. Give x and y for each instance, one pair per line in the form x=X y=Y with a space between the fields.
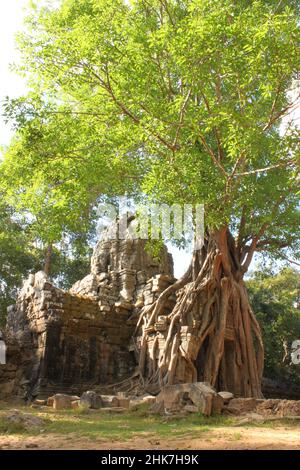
x=211 y=302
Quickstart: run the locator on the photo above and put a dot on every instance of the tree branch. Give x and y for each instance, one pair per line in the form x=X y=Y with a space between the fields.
x=256 y=238
x=212 y=155
x=181 y=117
x=107 y=86
x=289 y=260
x=281 y=113
x=241 y=230
x=261 y=170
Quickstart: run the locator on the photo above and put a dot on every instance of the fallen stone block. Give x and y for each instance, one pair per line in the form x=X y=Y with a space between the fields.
x=149 y=399
x=191 y=408
x=50 y=401
x=205 y=398
x=242 y=405
x=61 y=402
x=136 y=402
x=227 y=396
x=91 y=399
x=74 y=398
x=278 y=407
x=110 y=401
x=199 y=394
x=75 y=404
x=40 y=402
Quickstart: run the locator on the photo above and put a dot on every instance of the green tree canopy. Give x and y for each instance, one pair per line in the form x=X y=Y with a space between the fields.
x=57 y=167
x=193 y=91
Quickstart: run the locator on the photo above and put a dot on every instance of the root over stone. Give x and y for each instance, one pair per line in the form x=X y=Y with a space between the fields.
x=211 y=334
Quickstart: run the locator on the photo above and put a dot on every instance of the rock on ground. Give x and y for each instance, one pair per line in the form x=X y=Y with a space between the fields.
x=199 y=394
x=62 y=402
x=91 y=399
x=136 y=402
x=227 y=396
x=269 y=407
x=26 y=420
x=110 y=401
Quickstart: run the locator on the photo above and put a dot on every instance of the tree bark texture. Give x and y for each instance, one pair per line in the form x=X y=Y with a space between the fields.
x=211 y=334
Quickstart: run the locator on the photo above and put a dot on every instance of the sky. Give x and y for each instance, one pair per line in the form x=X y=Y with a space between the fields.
x=12 y=13
x=11 y=19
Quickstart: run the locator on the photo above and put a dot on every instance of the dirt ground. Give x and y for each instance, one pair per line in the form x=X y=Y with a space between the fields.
x=43 y=428
x=225 y=438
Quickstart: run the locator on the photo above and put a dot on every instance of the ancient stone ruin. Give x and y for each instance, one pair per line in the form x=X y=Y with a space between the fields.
x=91 y=337
x=71 y=341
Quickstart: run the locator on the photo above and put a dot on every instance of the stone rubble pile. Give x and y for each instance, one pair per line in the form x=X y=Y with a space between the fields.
x=198 y=397
x=264 y=407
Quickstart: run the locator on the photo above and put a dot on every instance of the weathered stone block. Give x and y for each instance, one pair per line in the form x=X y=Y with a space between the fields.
x=242 y=405
x=61 y=402
x=40 y=402
x=200 y=394
x=109 y=401
x=227 y=396
x=91 y=399
x=124 y=402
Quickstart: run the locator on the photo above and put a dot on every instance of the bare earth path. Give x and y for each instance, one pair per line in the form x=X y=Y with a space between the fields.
x=221 y=438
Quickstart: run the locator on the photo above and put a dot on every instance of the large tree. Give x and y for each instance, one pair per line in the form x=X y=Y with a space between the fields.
x=195 y=92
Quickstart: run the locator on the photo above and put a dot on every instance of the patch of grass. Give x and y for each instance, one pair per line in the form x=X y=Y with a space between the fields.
x=237 y=436
x=81 y=410
x=124 y=426
x=275 y=424
x=115 y=426
x=9 y=426
x=118 y=426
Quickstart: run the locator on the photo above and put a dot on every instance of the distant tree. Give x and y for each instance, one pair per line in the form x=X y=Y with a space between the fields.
x=17 y=258
x=276 y=300
x=21 y=254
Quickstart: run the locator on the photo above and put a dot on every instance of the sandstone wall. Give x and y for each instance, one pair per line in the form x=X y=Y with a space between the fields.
x=69 y=341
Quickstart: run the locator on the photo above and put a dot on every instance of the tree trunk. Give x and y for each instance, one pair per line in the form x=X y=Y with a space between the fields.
x=212 y=334
x=47 y=261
